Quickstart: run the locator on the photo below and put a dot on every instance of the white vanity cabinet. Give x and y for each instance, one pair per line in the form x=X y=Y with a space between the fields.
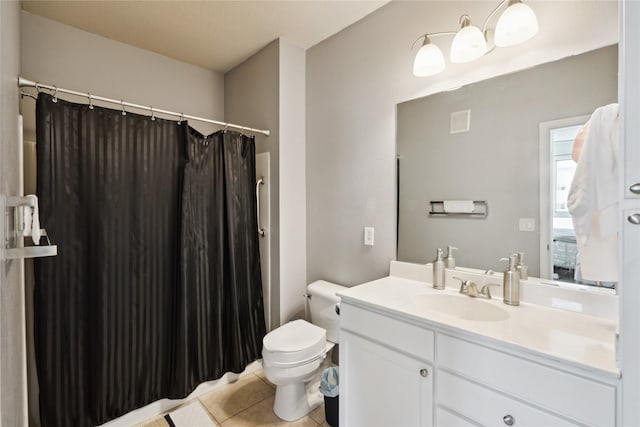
x=397 y=371
x=386 y=374
x=493 y=387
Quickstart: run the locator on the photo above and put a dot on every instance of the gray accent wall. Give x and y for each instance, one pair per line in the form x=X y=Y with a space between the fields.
x=497 y=160
x=13 y=372
x=354 y=81
x=61 y=55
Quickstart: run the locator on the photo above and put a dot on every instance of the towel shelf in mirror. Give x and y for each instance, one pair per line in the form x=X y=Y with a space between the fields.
x=440 y=208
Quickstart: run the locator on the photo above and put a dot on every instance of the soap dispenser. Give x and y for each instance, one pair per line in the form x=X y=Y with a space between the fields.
x=438 y=270
x=511 y=282
x=450 y=261
x=522 y=269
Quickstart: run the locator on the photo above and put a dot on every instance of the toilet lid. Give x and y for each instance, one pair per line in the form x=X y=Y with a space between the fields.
x=294 y=342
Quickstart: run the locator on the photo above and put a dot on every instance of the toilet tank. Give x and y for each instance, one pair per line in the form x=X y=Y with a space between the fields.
x=322 y=302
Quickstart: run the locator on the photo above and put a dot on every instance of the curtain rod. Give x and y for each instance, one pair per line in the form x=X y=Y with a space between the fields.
x=22 y=82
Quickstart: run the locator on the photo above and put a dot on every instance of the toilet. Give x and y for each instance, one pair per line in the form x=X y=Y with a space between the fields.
x=293 y=353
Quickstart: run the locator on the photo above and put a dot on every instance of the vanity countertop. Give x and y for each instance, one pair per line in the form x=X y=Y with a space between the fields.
x=580 y=340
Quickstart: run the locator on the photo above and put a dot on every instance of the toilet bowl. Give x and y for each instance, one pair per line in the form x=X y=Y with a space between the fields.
x=293 y=353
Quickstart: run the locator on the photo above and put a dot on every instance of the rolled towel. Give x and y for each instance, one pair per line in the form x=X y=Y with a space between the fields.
x=458 y=206
x=34 y=222
x=27 y=219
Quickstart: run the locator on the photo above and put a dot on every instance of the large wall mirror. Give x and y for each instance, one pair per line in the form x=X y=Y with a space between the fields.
x=512 y=150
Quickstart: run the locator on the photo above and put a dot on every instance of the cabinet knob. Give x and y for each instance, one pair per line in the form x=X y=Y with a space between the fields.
x=424 y=372
x=509 y=420
x=635 y=188
x=634 y=218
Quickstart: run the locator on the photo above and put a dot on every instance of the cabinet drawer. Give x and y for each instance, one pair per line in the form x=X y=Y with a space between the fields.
x=402 y=336
x=579 y=398
x=489 y=408
x=444 y=418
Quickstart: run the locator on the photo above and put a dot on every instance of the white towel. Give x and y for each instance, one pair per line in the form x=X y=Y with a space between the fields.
x=458 y=206
x=593 y=197
x=32 y=220
x=191 y=415
x=27 y=219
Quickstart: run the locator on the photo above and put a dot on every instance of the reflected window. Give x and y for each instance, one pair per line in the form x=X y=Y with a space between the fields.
x=565 y=250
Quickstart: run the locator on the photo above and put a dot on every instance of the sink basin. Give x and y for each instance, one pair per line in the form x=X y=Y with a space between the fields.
x=463 y=307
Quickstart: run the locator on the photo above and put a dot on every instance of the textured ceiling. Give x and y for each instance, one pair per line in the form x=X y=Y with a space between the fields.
x=217 y=35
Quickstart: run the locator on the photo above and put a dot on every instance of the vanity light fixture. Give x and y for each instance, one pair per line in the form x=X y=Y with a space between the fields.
x=517 y=24
x=468 y=44
x=429 y=60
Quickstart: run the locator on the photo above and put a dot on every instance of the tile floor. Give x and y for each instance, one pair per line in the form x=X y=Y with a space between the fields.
x=246 y=402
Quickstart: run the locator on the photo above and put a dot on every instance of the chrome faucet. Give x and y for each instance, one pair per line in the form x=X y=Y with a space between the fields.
x=486 y=290
x=468 y=287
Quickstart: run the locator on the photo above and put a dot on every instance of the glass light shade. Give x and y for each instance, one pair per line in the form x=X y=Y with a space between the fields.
x=468 y=44
x=517 y=24
x=429 y=60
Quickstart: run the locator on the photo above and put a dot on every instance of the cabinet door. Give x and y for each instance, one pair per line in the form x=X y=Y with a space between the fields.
x=629 y=99
x=629 y=290
x=382 y=387
x=629 y=331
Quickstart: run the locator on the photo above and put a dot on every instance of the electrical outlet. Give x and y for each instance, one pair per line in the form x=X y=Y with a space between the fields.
x=368 y=236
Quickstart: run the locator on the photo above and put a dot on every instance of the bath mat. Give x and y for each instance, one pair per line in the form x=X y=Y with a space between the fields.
x=191 y=415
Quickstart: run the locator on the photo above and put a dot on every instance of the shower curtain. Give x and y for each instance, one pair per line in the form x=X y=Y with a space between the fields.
x=145 y=299
x=216 y=217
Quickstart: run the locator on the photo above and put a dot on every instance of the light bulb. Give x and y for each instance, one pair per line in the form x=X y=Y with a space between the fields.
x=429 y=60
x=517 y=24
x=468 y=44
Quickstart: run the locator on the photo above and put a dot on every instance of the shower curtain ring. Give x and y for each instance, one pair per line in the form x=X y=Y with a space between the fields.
x=226 y=126
x=153 y=114
x=90 y=101
x=181 y=118
x=124 y=113
x=55 y=94
x=38 y=87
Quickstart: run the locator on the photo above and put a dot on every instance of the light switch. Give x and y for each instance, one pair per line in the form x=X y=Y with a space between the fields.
x=368 y=236
x=527 y=224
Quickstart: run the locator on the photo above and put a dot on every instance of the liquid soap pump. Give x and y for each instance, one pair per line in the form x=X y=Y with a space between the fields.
x=438 y=270
x=522 y=269
x=450 y=261
x=511 y=282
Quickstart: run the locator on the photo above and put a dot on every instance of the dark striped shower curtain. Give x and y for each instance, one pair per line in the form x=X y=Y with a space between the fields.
x=156 y=286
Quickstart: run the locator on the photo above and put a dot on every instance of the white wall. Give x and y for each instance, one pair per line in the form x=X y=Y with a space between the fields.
x=293 y=219
x=267 y=91
x=13 y=376
x=354 y=81
x=57 y=54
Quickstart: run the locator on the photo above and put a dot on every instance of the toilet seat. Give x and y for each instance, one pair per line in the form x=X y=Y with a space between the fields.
x=293 y=344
